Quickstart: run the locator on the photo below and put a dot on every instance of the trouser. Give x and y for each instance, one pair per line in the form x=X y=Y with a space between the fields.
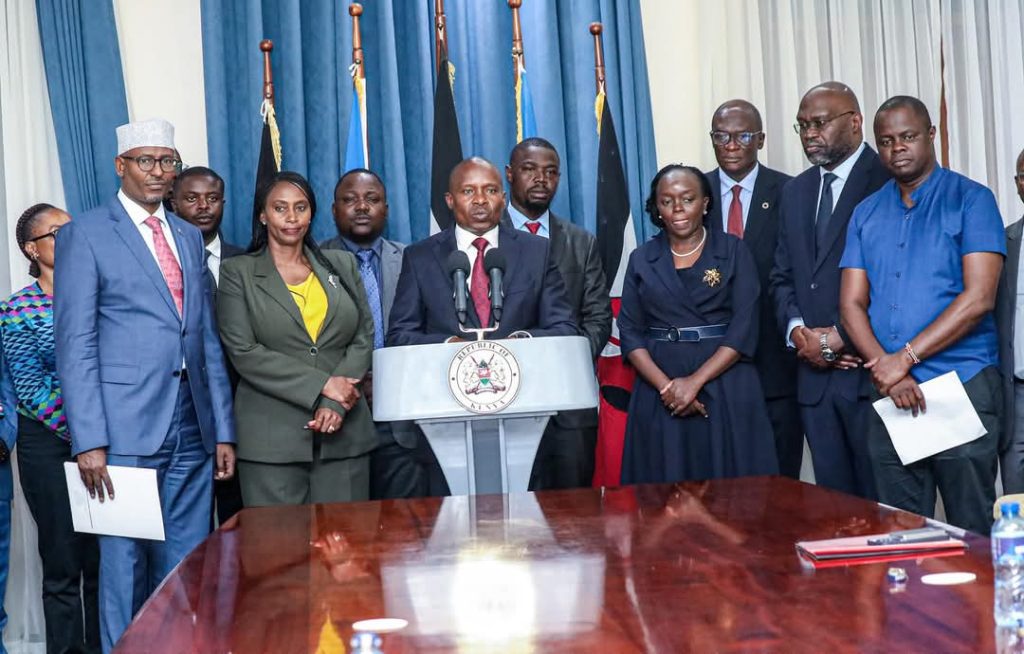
x=305 y=482
x=395 y=472
x=839 y=450
x=70 y=560
x=965 y=475
x=565 y=457
x=5 y=552
x=131 y=568
x=784 y=413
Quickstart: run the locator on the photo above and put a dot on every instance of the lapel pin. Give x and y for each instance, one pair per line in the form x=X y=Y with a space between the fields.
x=764 y=205
x=332 y=280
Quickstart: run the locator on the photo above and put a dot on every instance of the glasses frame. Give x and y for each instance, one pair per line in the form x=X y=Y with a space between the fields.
x=50 y=234
x=175 y=163
x=735 y=136
x=818 y=124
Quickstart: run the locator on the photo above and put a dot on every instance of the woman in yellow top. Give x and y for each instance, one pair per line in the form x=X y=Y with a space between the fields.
x=297 y=327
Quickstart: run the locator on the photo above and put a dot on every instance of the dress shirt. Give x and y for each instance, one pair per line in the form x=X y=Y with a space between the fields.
x=214 y=258
x=139 y=216
x=913 y=259
x=519 y=221
x=1018 y=324
x=378 y=248
x=464 y=241
x=746 y=194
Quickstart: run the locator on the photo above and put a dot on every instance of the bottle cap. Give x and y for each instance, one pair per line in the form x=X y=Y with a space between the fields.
x=1008 y=509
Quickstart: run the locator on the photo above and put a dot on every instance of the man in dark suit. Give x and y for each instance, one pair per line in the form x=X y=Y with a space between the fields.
x=1009 y=311
x=814 y=211
x=360 y=213
x=197 y=195
x=565 y=458
x=535 y=302
x=749 y=209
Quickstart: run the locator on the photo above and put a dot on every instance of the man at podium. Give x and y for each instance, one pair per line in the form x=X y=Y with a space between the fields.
x=514 y=287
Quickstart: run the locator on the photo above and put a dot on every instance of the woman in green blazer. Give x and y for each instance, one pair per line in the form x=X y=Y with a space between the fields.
x=297 y=327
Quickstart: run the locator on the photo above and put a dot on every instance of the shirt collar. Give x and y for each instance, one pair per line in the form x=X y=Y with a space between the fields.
x=214 y=246
x=924 y=189
x=518 y=219
x=377 y=246
x=747 y=184
x=844 y=169
x=464 y=238
x=137 y=213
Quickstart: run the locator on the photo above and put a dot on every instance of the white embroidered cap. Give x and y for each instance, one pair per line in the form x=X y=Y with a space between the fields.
x=152 y=133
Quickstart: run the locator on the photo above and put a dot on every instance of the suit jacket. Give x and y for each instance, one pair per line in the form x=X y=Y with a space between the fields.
x=227 y=250
x=805 y=283
x=8 y=434
x=282 y=371
x=120 y=341
x=1011 y=447
x=424 y=310
x=776 y=363
x=390 y=268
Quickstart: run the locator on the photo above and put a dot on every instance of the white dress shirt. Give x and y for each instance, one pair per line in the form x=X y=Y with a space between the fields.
x=464 y=241
x=746 y=194
x=139 y=216
x=213 y=261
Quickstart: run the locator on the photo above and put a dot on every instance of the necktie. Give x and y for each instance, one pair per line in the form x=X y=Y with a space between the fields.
x=533 y=226
x=168 y=264
x=479 y=284
x=736 y=213
x=824 y=211
x=372 y=294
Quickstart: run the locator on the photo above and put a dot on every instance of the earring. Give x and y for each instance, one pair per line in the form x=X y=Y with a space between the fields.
x=263 y=222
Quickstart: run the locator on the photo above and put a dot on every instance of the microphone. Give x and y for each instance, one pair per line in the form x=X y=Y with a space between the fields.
x=494 y=264
x=458 y=269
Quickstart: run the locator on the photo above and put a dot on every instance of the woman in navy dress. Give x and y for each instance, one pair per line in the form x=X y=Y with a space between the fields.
x=688 y=324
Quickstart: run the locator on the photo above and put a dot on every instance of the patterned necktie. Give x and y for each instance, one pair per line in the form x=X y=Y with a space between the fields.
x=372 y=294
x=479 y=284
x=736 y=213
x=824 y=211
x=533 y=226
x=168 y=264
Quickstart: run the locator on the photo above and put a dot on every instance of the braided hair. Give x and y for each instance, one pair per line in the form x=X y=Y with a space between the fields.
x=23 y=232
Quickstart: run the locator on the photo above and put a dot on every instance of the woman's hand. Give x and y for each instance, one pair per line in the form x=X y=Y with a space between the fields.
x=680 y=397
x=342 y=390
x=325 y=421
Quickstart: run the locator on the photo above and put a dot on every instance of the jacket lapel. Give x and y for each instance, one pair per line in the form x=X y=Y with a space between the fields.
x=1013 y=237
x=714 y=218
x=331 y=285
x=660 y=259
x=854 y=191
x=557 y=237
x=129 y=233
x=391 y=268
x=269 y=281
x=760 y=207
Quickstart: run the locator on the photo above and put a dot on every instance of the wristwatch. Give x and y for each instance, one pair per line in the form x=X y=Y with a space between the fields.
x=827 y=353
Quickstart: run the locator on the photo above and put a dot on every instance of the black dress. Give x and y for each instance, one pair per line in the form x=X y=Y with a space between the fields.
x=721 y=288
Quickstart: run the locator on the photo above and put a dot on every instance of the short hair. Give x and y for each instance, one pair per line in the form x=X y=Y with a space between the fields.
x=651 y=205
x=360 y=171
x=533 y=142
x=906 y=102
x=198 y=171
x=465 y=162
x=24 y=228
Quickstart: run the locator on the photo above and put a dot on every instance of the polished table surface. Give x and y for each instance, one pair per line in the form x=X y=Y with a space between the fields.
x=703 y=567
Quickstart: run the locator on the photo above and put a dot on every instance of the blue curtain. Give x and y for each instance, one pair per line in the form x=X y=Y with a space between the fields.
x=312 y=52
x=87 y=95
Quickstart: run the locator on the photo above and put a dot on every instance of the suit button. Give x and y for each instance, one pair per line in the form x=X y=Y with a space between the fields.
x=313 y=351
x=814 y=286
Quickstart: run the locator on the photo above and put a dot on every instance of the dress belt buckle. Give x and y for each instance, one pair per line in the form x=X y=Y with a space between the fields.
x=672 y=334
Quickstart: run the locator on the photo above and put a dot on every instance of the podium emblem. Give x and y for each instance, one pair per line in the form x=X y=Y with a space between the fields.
x=484 y=377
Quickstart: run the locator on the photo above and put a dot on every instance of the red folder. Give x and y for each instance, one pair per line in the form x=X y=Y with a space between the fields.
x=856 y=549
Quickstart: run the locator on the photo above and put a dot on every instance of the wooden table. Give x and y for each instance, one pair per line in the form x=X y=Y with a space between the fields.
x=700 y=567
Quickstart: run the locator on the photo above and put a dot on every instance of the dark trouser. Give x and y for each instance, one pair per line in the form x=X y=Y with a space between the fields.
x=965 y=475
x=565 y=457
x=784 y=413
x=227 y=496
x=69 y=559
x=395 y=472
x=839 y=449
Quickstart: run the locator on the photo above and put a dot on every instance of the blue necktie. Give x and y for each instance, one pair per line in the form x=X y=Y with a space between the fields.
x=372 y=294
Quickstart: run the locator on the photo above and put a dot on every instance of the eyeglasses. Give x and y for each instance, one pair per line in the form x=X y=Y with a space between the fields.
x=744 y=139
x=146 y=163
x=50 y=234
x=817 y=124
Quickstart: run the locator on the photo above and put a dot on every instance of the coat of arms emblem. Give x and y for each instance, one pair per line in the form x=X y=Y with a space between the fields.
x=484 y=377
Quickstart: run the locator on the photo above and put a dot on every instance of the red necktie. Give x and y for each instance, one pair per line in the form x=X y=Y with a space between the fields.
x=533 y=226
x=479 y=284
x=736 y=213
x=168 y=264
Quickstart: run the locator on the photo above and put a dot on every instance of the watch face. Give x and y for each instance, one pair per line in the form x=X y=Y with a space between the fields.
x=829 y=355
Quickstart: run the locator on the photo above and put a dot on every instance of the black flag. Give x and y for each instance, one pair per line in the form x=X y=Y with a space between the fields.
x=447 y=146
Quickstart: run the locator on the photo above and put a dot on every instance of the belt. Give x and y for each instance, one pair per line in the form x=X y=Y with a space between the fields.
x=687 y=334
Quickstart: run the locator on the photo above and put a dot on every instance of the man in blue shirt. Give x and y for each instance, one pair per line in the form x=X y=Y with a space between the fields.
x=921 y=270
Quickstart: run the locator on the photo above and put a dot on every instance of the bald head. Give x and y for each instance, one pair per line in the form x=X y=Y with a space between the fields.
x=476 y=195
x=840 y=92
x=738 y=108
x=830 y=124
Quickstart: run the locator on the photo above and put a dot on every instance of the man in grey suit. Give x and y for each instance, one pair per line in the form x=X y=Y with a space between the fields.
x=360 y=212
x=565 y=458
x=1009 y=314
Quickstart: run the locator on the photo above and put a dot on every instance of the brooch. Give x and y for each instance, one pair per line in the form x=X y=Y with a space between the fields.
x=712 y=277
x=332 y=280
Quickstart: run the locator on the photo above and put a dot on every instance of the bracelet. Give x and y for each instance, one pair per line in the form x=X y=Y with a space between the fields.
x=910 y=351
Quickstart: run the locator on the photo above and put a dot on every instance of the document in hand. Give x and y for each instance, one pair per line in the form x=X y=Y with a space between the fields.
x=950 y=420
x=133 y=513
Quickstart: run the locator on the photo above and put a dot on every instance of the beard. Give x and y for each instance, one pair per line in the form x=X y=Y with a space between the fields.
x=830 y=155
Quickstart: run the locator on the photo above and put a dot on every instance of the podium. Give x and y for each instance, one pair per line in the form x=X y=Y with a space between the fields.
x=484 y=405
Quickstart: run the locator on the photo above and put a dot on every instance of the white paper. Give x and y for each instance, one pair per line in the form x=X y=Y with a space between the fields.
x=133 y=513
x=950 y=420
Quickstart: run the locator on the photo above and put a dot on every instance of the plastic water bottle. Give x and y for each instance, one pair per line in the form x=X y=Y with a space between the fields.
x=1009 y=584
x=1007 y=532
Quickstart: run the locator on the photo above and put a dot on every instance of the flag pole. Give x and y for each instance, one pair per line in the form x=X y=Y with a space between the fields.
x=596 y=29
x=267 y=46
x=355 y=10
x=518 y=55
x=358 y=155
x=440 y=34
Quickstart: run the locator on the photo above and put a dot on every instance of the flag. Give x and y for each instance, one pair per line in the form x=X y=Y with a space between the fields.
x=269 y=162
x=447 y=146
x=615 y=240
x=357 y=151
x=526 y=122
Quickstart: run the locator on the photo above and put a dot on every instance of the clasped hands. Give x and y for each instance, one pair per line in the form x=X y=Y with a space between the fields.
x=344 y=391
x=679 y=396
x=807 y=341
x=890 y=373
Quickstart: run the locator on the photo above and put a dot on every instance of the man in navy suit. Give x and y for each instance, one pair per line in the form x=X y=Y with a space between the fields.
x=535 y=300
x=815 y=208
x=145 y=384
x=749 y=209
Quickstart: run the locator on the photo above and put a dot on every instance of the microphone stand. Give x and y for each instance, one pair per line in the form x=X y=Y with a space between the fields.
x=478 y=331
